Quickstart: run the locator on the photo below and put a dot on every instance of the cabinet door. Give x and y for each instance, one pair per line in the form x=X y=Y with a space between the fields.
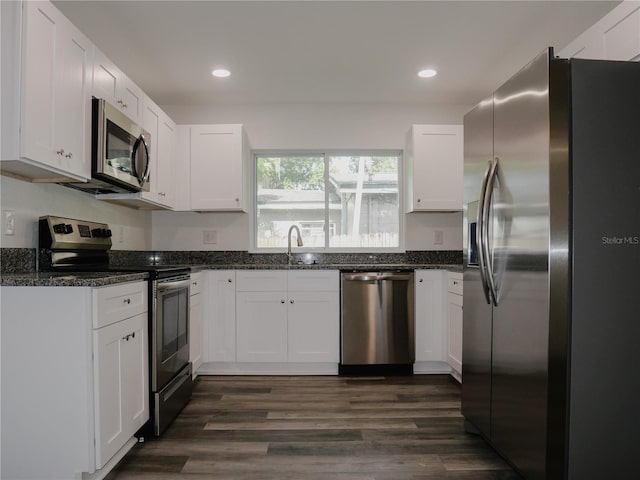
x=121 y=384
x=55 y=98
x=261 y=326
x=110 y=83
x=195 y=332
x=219 y=320
x=217 y=167
x=436 y=170
x=313 y=321
x=430 y=312
x=454 y=331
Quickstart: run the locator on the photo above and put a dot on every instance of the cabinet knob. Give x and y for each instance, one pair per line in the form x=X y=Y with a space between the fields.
x=195 y=284
x=237 y=199
x=127 y=301
x=60 y=152
x=455 y=282
x=281 y=301
x=291 y=301
x=418 y=200
x=122 y=104
x=133 y=334
x=69 y=155
x=421 y=280
x=229 y=280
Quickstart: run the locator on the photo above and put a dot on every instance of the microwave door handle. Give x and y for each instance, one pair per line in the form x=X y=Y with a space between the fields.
x=140 y=141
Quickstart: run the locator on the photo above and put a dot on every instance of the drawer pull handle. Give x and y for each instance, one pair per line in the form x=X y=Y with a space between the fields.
x=127 y=301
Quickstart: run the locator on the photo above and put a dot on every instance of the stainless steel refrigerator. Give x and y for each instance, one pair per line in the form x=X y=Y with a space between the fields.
x=551 y=332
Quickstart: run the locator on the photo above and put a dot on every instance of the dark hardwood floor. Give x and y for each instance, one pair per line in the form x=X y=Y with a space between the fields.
x=318 y=428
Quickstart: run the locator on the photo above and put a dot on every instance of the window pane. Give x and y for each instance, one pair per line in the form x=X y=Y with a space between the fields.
x=364 y=201
x=290 y=192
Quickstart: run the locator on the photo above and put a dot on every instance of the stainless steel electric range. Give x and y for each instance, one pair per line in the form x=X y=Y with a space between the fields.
x=76 y=245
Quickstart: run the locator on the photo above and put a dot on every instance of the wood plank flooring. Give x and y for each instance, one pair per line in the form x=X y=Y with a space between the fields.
x=317 y=428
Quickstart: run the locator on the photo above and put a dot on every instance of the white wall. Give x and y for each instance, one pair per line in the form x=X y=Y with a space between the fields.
x=311 y=127
x=29 y=201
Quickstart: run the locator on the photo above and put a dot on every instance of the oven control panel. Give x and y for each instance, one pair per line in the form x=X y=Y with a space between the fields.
x=58 y=233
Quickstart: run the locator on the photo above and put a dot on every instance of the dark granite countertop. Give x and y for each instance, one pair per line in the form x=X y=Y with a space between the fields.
x=329 y=266
x=69 y=279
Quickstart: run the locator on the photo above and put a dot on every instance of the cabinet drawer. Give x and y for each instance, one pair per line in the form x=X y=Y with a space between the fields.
x=261 y=281
x=196 y=283
x=455 y=283
x=118 y=302
x=313 y=280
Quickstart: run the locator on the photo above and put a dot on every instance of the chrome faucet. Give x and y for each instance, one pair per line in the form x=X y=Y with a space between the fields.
x=289 y=254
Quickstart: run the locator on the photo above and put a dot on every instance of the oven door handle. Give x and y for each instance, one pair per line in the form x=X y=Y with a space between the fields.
x=174 y=285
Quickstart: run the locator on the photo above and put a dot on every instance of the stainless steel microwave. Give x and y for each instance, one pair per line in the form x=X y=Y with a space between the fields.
x=120 y=155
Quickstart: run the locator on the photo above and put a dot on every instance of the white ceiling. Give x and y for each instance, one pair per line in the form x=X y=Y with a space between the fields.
x=327 y=51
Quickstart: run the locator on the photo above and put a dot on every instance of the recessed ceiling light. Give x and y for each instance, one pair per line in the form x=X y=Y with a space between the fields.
x=427 y=73
x=221 y=72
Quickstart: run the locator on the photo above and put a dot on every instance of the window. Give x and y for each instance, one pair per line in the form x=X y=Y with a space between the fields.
x=339 y=201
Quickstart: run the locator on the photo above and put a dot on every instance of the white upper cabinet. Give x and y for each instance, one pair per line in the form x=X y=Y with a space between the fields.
x=116 y=88
x=615 y=37
x=46 y=111
x=163 y=131
x=433 y=164
x=219 y=168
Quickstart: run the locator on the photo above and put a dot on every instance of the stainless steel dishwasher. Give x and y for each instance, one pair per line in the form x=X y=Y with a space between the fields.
x=377 y=322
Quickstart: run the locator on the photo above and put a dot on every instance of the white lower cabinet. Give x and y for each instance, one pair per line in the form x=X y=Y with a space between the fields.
x=219 y=317
x=122 y=395
x=261 y=326
x=278 y=322
x=430 y=321
x=72 y=407
x=454 y=324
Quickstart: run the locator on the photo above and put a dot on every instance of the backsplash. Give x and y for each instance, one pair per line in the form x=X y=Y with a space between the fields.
x=17 y=260
x=22 y=260
x=439 y=257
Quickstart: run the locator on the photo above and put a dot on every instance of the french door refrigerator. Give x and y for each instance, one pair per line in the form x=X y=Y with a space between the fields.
x=551 y=335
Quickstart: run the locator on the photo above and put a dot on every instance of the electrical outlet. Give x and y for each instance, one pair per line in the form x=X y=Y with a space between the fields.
x=438 y=237
x=9 y=222
x=209 y=237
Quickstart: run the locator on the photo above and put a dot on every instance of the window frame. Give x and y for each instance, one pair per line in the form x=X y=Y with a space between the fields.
x=253 y=248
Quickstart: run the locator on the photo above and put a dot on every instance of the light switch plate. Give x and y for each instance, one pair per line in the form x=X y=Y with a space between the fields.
x=209 y=237
x=9 y=222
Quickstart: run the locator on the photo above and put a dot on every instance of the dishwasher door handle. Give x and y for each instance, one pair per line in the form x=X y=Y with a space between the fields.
x=375 y=276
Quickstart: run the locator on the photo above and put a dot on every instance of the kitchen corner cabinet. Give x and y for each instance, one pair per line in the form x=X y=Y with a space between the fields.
x=77 y=399
x=287 y=316
x=195 y=322
x=111 y=84
x=46 y=99
x=433 y=168
x=454 y=323
x=219 y=172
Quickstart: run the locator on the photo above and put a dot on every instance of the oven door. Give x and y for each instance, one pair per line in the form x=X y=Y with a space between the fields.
x=170 y=330
x=120 y=148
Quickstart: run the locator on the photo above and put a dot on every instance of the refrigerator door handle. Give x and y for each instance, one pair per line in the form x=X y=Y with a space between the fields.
x=486 y=247
x=480 y=236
